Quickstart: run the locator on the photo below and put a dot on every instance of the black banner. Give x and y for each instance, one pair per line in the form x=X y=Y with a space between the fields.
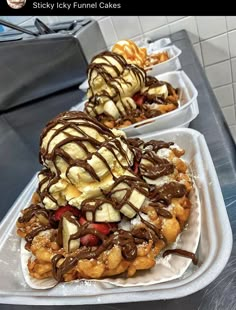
x=104 y=7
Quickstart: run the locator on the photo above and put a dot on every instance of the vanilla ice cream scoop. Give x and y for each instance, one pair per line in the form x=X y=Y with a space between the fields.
x=112 y=83
x=131 y=52
x=83 y=158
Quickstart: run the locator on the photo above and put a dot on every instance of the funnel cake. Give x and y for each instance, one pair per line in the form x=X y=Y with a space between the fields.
x=121 y=94
x=138 y=55
x=136 y=205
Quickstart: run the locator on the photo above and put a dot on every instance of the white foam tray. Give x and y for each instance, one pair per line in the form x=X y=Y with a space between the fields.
x=181 y=117
x=171 y=64
x=213 y=251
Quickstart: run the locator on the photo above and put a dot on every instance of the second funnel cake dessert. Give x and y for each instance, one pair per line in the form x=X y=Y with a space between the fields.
x=105 y=205
x=138 y=55
x=121 y=94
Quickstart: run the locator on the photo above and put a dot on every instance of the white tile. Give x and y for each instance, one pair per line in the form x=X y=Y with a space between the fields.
x=231 y=22
x=198 y=51
x=138 y=40
x=232 y=43
x=97 y=17
x=173 y=18
x=188 y=24
x=126 y=26
x=233 y=66
x=215 y=50
x=158 y=33
x=233 y=131
x=210 y=26
x=219 y=74
x=108 y=31
x=152 y=22
x=229 y=114
x=224 y=95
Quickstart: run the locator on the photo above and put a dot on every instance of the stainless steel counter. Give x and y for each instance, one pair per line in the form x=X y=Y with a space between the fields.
x=221 y=294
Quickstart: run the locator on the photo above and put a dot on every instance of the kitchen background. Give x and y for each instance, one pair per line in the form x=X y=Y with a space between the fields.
x=213 y=38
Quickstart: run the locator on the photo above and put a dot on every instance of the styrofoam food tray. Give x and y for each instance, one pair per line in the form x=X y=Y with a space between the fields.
x=181 y=117
x=171 y=64
x=213 y=251
x=154 y=45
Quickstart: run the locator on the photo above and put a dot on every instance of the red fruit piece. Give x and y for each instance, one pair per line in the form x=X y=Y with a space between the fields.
x=59 y=212
x=82 y=220
x=93 y=240
x=104 y=228
x=101 y=227
x=89 y=240
x=135 y=167
x=139 y=99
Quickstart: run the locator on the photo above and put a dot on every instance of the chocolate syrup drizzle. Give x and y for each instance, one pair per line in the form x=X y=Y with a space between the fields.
x=114 y=84
x=31 y=211
x=68 y=120
x=183 y=253
x=111 y=62
x=128 y=240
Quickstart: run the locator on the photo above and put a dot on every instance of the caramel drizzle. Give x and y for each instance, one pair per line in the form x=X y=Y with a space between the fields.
x=131 y=52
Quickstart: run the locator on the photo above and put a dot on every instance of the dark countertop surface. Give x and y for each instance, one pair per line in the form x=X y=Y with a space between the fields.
x=20 y=130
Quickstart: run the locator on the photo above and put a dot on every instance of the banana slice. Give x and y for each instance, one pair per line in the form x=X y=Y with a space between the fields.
x=136 y=199
x=159 y=91
x=68 y=229
x=111 y=109
x=121 y=108
x=105 y=213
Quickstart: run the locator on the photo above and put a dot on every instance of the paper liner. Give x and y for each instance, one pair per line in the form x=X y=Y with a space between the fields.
x=166 y=269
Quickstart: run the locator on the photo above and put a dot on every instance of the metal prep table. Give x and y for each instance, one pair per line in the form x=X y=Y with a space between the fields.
x=19 y=144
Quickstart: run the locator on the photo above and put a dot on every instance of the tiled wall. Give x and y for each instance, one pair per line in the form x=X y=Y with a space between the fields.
x=213 y=37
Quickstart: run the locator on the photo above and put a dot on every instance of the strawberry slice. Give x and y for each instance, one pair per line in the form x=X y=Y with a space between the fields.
x=82 y=220
x=89 y=240
x=104 y=228
x=135 y=167
x=59 y=212
x=139 y=99
x=101 y=227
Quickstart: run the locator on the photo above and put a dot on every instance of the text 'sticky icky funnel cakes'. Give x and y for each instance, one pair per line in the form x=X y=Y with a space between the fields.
x=105 y=205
